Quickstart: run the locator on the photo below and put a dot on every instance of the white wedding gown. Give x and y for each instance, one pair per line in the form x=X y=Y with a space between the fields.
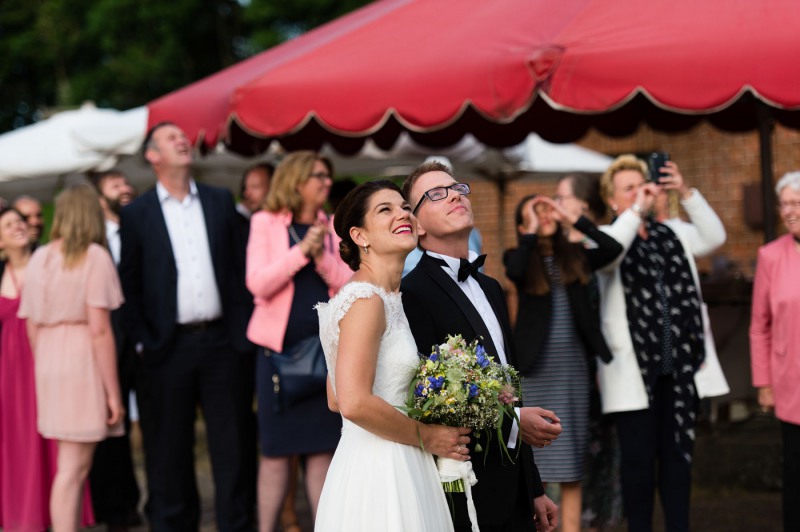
x=373 y=483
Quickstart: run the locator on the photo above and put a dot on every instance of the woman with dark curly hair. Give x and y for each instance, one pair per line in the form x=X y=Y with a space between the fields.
x=383 y=476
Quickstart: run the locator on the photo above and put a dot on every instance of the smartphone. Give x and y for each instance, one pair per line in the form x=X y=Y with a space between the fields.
x=656 y=160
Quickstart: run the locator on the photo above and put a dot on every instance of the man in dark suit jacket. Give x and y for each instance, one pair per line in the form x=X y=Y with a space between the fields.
x=186 y=310
x=115 y=491
x=438 y=302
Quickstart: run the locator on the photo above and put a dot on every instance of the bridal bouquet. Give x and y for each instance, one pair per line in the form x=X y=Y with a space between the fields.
x=459 y=385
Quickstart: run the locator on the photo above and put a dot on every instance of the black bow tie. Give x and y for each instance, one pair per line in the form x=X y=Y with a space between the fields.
x=467 y=268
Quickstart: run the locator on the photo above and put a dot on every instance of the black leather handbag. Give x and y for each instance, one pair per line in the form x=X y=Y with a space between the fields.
x=297 y=374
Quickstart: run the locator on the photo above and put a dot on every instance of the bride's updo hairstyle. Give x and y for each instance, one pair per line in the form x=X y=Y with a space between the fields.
x=351 y=213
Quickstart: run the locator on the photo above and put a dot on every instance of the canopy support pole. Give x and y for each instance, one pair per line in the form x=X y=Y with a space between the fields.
x=765 y=129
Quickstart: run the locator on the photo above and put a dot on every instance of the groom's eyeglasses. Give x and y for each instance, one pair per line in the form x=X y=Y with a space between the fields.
x=440 y=193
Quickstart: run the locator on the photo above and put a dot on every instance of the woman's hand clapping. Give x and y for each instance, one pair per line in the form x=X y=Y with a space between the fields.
x=312 y=243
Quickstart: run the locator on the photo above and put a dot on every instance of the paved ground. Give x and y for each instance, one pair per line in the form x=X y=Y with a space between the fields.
x=736 y=479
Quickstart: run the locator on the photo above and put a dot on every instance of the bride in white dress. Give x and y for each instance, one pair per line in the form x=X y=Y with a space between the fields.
x=383 y=476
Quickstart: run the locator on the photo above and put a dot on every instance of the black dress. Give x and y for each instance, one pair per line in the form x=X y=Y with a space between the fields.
x=308 y=427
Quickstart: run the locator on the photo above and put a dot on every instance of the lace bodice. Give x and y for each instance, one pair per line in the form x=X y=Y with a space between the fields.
x=397 y=357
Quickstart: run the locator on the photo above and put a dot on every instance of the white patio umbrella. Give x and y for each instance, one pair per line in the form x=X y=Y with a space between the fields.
x=37 y=159
x=470 y=158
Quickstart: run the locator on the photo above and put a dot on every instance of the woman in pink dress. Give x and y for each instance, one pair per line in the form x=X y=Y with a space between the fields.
x=27 y=461
x=72 y=286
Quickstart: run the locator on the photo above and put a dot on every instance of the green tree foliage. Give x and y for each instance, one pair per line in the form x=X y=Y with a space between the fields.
x=124 y=53
x=270 y=22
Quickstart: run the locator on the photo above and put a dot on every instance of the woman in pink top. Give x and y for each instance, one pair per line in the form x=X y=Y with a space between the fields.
x=71 y=287
x=775 y=339
x=292 y=263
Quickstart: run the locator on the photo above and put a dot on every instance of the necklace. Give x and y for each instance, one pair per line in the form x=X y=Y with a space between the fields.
x=294 y=234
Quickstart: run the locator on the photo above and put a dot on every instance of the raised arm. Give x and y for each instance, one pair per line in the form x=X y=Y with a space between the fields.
x=607 y=248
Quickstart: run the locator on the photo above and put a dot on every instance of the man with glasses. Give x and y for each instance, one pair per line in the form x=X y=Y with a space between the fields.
x=475 y=244
x=31 y=210
x=447 y=294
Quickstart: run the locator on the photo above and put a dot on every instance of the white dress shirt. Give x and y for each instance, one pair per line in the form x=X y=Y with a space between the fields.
x=114 y=242
x=472 y=289
x=244 y=211
x=198 y=294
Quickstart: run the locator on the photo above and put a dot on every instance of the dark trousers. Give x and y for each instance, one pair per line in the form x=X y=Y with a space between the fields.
x=203 y=370
x=649 y=456
x=791 y=476
x=520 y=519
x=115 y=492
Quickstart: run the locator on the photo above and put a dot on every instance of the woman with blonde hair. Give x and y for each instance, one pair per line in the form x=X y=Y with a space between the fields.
x=652 y=319
x=72 y=286
x=292 y=263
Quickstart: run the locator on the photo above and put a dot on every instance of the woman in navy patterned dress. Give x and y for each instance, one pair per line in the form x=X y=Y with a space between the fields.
x=555 y=331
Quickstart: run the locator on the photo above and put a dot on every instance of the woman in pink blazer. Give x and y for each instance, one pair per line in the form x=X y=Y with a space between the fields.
x=292 y=263
x=775 y=339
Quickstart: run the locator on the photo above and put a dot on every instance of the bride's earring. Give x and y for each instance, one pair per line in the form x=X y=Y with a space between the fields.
x=366 y=251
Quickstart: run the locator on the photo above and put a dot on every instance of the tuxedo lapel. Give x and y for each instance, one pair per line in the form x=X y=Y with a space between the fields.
x=497 y=301
x=460 y=300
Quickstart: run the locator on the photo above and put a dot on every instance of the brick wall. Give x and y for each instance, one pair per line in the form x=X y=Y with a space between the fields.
x=719 y=164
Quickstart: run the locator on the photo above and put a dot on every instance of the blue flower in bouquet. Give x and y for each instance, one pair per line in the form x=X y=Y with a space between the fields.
x=419 y=391
x=481 y=357
x=473 y=390
x=434 y=356
x=436 y=382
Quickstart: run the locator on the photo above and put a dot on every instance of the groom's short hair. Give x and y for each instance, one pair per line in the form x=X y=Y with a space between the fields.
x=419 y=171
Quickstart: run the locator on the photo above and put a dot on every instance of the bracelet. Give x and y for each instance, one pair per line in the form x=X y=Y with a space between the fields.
x=419 y=437
x=637 y=209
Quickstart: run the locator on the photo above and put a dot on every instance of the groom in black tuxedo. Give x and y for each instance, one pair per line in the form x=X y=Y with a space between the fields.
x=439 y=300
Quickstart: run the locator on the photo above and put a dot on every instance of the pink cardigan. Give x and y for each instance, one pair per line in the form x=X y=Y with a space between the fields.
x=775 y=326
x=272 y=262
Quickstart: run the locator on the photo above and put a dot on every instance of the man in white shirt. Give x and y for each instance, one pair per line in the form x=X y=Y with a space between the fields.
x=186 y=310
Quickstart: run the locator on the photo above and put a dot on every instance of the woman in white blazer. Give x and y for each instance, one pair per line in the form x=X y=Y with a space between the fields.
x=653 y=322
